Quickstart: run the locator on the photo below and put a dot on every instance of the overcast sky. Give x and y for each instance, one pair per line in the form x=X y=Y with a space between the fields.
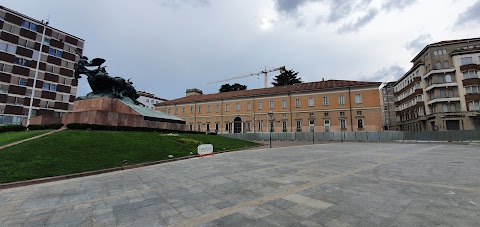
x=167 y=46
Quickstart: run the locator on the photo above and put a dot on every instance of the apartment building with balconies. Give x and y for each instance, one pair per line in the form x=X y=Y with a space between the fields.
x=387 y=102
x=323 y=106
x=56 y=87
x=441 y=90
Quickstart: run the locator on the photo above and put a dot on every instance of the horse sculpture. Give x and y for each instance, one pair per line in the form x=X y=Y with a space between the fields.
x=101 y=83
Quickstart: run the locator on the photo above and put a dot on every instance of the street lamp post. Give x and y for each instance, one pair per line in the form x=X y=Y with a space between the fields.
x=36 y=74
x=272 y=119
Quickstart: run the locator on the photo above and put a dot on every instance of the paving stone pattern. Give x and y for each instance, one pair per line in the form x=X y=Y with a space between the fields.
x=336 y=184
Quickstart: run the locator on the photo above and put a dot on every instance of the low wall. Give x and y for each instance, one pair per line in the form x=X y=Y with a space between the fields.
x=370 y=136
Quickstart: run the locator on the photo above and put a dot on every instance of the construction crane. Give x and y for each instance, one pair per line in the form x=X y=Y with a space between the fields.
x=265 y=72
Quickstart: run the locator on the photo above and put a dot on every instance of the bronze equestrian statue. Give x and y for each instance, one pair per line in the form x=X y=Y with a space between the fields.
x=101 y=83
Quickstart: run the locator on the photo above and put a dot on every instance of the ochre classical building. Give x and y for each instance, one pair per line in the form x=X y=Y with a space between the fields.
x=332 y=105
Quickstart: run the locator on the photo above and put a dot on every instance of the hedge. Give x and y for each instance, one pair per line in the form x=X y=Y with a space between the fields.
x=43 y=127
x=12 y=128
x=77 y=126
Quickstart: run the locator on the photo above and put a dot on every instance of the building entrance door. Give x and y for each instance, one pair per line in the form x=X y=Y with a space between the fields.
x=237 y=125
x=453 y=124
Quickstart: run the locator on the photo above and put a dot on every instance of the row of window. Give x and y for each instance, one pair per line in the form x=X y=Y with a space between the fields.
x=152 y=101
x=470 y=74
x=326 y=102
x=248 y=125
x=473 y=105
x=472 y=89
x=439 y=65
x=29 y=25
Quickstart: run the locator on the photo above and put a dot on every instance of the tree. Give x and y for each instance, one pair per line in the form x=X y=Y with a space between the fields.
x=233 y=87
x=287 y=77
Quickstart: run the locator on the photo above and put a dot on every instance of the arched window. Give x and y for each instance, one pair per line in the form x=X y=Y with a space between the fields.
x=438 y=65
x=446 y=65
x=448 y=78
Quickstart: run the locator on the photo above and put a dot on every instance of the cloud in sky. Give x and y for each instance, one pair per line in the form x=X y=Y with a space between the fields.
x=386 y=74
x=168 y=46
x=397 y=4
x=419 y=43
x=471 y=15
x=359 y=23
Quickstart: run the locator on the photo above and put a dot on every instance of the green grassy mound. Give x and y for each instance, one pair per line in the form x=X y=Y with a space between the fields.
x=75 y=151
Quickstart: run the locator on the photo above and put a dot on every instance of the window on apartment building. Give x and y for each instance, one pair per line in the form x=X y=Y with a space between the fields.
x=343 y=124
x=21 y=61
x=360 y=123
x=325 y=101
x=183 y=110
x=237 y=107
x=359 y=113
x=445 y=108
x=199 y=127
x=249 y=125
x=168 y=111
x=341 y=99
x=446 y=65
x=46 y=41
x=208 y=109
x=358 y=98
x=22 y=82
x=216 y=127
x=2 y=67
x=199 y=109
x=440 y=79
x=218 y=108
x=310 y=102
x=50 y=87
x=249 y=106
x=284 y=126
x=297 y=103
x=9 y=48
x=438 y=65
x=466 y=60
x=55 y=52
x=208 y=127
x=176 y=111
x=227 y=107
x=29 y=25
x=299 y=126
x=284 y=104
x=473 y=105
x=326 y=114
x=260 y=126
x=272 y=104
x=471 y=74
x=342 y=114
x=191 y=109
x=448 y=78
x=472 y=89
x=148 y=100
x=259 y=105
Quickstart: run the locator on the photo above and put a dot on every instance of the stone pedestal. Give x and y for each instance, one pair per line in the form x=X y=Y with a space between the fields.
x=114 y=112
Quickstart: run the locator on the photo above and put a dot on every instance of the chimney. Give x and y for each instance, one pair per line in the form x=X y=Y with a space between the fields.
x=193 y=91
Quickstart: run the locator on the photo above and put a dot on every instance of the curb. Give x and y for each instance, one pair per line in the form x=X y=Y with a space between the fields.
x=98 y=172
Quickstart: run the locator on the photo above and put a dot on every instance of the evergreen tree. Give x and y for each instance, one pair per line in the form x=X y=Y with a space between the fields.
x=287 y=77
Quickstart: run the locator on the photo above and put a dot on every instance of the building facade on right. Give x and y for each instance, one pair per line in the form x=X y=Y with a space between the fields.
x=442 y=89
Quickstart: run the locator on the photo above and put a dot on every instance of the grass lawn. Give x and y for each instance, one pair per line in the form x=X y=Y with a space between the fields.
x=75 y=151
x=10 y=137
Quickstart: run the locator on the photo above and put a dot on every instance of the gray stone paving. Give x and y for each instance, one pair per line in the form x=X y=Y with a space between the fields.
x=335 y=184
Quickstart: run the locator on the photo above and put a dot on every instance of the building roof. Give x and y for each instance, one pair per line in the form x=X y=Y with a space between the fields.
x=445 y=42
x=37 y=21
x=296 y=88
x=150 y=95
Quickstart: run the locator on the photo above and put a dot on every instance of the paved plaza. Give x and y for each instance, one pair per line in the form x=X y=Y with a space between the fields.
x=334 y=184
